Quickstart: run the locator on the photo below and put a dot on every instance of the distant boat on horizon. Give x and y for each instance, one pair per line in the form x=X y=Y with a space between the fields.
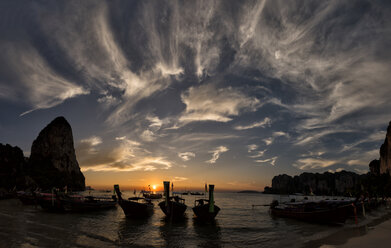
x=332 y=212
x=197 y=193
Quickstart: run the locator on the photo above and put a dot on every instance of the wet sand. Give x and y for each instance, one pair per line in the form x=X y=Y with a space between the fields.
x=370 y=232
x=378 y=236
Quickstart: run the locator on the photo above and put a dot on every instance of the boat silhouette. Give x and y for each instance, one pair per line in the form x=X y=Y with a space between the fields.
x=134 y=207
x=172 y=206
x=205 y=209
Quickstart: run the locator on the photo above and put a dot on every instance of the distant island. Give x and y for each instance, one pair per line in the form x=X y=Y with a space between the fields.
x=250 y=192
x=377 y=182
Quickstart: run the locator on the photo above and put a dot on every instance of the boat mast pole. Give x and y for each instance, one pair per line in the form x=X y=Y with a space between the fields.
x=211 y=199
x=116 y=188
x=167 y=193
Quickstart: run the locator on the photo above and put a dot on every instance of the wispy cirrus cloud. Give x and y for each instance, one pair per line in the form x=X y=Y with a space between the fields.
x=270 y=161
x=313 y=163
x=252 y=147
x=209 y=103
x=266 y=122
x=179 y=179
x=33 y=79
x=268 y=141
x=258 y=154
x=125 y=155
x=172 y=76
x=216 y=154
x=186 y=156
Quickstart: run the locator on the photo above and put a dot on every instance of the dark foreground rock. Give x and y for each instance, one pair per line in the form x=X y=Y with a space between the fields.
x=12 y=164
x=53 y=161
x=385 y=153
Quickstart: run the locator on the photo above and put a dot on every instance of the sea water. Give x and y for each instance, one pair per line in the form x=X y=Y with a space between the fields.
x=238 y=224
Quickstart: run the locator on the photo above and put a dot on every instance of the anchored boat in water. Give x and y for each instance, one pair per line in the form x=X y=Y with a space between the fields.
x=27 y=197
x=87 y=203
x=318 y=212
x=134 y=207
x=63 y=202
x=174 y=206
x=205 y=209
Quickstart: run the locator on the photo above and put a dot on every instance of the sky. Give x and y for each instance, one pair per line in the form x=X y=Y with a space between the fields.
x=224 y=92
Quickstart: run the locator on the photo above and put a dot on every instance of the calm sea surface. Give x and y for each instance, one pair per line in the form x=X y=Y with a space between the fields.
x=237 y=225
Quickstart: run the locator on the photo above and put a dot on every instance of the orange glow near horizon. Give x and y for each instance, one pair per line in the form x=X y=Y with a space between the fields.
x=139 y=180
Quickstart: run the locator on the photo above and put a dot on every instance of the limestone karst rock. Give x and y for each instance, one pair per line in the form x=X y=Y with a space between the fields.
x=385 y=153
x=12 y=164
x=53 y=160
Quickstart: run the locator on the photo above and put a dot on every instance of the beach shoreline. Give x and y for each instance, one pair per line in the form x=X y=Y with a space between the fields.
x=373 y=233
x=377 y=236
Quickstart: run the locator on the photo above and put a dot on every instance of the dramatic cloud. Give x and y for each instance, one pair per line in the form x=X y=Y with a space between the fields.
x=216 y=154
x=161 y=81
x=34 y=80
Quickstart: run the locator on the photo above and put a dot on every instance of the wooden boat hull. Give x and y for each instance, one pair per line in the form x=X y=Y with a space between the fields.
x=337 y=215
x=202 y=212
x=50 y=205
x=135 y=209
x=28 y=199
x=71 y=205
x=174 y=209
x=152 y=196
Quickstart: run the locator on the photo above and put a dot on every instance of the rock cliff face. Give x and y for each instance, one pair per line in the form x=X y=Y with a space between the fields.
x=338 y=183
x=53 y=161
x=385 y=153
x=374 y=167
x=12 y=164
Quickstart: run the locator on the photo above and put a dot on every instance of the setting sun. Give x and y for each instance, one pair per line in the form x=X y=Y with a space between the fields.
x=153 y=187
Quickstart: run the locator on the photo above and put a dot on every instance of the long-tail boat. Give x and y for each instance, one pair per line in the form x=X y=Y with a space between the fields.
x=318 y=212
x=172 y=206
x=27 y=197
x=205 y=209
x=134 y=207
x=152 y=195
x=86 y=203
x=50 y=202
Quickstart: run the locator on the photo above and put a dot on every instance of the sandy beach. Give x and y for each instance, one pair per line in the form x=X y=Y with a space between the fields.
x=373 y=236
x=378 y=236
